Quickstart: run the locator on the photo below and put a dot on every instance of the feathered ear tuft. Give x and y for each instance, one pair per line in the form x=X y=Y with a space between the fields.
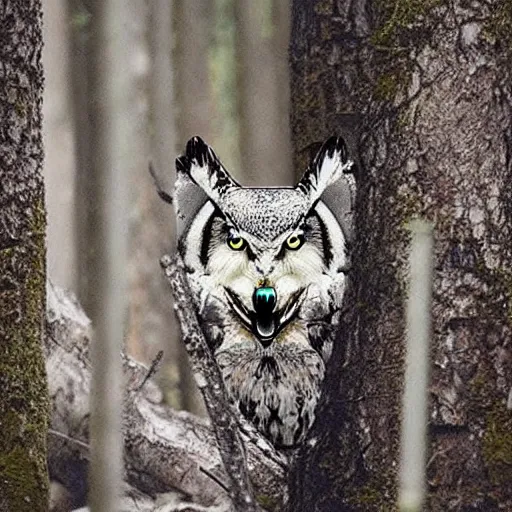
x=199 y=176
x=204 y=168
x=328 y=166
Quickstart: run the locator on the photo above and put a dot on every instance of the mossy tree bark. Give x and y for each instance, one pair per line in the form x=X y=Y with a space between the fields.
x=24 y=396
x=423 y=93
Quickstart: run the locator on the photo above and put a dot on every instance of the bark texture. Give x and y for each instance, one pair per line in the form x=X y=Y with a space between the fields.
x=24 y=397
x=422 y=92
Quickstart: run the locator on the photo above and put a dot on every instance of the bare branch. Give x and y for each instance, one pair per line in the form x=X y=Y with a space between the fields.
x=209 y=381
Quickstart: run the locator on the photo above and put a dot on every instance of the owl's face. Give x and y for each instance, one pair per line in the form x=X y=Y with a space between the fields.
x=266 y=267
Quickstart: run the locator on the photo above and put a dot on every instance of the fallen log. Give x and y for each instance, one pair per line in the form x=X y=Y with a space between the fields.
x=165 y=450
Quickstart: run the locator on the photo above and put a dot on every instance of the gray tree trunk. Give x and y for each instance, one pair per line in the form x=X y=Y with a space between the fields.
x=223 y=78
x=193 y=23
x=59 y=165
x=423 y=93
x=116 y=148
x=261 y=63
x=24 y=397
x=193 y=112
x=85 y=210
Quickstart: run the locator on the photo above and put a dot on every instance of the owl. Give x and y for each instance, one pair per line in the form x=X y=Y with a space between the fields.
x=267 y=270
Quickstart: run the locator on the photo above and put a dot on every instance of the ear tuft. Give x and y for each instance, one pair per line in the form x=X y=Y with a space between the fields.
x=197 y=151
x=328 y=166
x=201 y=167
x=335 y=145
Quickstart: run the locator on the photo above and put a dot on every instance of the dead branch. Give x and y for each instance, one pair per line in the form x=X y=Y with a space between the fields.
x=209 y=380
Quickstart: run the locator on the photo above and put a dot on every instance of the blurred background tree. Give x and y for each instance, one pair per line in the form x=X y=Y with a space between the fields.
x=217 y=69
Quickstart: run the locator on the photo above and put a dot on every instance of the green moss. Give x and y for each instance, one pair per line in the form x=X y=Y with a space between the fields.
x=402 y=26
x=498 y=26
x=409 y=206
x=399 y=16
x=376 y=495
x=16 y=467
x=25 y=407
x=387 y=86
x=497 y=445
x=267 y=502
x=369 y=496
x=323 y=7
x=20 y=108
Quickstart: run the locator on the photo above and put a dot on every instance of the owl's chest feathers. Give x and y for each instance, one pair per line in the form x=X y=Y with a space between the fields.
x=277 y=387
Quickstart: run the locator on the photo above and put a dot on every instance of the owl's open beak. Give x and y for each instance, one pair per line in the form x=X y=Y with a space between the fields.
x=264 y=322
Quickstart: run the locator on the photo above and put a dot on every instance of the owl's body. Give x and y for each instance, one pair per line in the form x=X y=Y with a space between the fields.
x=266 y=267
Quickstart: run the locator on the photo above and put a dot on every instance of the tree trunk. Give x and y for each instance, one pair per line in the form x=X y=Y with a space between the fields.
x=59 y=165
x=422 y=92
x=193 y=100
x=264 y=137
x=193 y=25
x=223 y=78
x=24 y=397
x=115 y=144
x=85 y=211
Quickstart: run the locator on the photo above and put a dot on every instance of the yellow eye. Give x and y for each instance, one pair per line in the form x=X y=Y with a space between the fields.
x=236 y=243
x=294 y=242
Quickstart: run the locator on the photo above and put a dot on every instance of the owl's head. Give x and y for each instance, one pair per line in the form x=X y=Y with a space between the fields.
x=263 y=251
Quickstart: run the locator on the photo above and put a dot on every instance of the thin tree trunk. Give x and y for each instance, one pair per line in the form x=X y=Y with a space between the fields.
x=423 y=93
x=85 y=211
x=193 y=25
x=264 y=138
x=59 y=166
x=24 y=398
x=194 y=107
x=281 y=15
x=114 y=144
x=223 y=78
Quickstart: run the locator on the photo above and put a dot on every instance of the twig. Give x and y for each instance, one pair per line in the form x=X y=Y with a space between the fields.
x=77 y=442
x=210 y=475
x=209 y=381
x=158 y=184
x=152 y=370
